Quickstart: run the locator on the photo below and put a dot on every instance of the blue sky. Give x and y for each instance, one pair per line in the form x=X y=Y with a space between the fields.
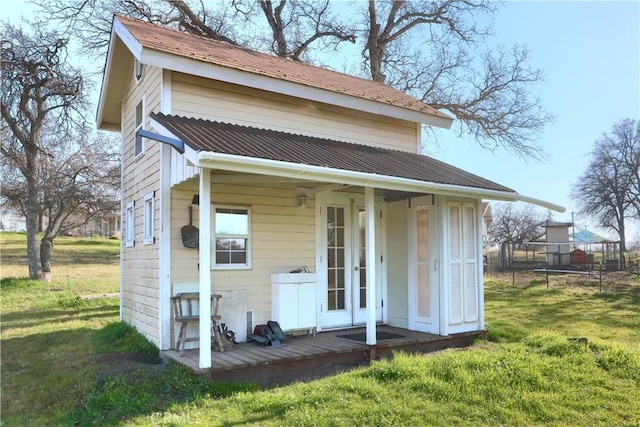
x=590 y=54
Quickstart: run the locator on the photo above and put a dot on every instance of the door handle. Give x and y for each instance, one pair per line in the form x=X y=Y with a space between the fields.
x=435 y=265
x=356 y=268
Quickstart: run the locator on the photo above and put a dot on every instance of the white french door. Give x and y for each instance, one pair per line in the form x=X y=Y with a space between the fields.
x=342 y=263
x=424 y=284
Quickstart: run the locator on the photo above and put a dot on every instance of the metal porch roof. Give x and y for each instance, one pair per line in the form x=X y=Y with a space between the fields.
x=208 y=136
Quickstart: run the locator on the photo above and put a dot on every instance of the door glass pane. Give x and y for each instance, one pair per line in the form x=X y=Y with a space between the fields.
x=340 y=301
x=363 y=288
x=332 y=300
x=340 y=217
x=335 y=258
x=340 y=258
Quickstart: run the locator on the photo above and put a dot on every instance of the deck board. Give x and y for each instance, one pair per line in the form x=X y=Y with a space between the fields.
x=307 y=353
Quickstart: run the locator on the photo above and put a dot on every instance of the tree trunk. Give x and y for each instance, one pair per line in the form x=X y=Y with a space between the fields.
x=373 y=48
x=46 y=253
x=621 y=233
x=33 y=246
x=33 y=219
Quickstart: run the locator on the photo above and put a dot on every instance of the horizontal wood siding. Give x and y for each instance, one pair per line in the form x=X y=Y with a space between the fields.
x=141 y=175
x=211 y=100
x=282 y=238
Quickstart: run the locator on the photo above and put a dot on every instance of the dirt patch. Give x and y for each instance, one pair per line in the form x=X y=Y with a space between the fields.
x=128 y=365
x=613 y=282
x=97 y=296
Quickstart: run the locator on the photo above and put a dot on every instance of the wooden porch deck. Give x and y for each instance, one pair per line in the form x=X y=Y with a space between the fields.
x=307 y=357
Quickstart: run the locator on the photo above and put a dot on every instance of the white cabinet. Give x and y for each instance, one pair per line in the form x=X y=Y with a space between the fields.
x=293 y=300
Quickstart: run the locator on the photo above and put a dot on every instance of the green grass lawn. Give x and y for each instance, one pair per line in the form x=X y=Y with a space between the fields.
x=67 y=361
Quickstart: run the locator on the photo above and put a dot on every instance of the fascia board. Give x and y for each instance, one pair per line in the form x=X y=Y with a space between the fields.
x=105 y=80
x=120 y=31
x=248 y=79
x=316 y=173
x=134 y=46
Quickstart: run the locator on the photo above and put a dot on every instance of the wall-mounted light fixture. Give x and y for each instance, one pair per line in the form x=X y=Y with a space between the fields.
x=302 y=201
x=196 y=199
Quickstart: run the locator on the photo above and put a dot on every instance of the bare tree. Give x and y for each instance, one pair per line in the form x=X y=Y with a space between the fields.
x=90 y=21
x=624 y=146
x=435 y=50
x=45 y=167
x=608 y=189
x=295 y=25
x=424 y=48
x=512 y=226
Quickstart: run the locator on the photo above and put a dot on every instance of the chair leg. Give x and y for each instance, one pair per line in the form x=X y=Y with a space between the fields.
x=217 y=335
x=182 y=337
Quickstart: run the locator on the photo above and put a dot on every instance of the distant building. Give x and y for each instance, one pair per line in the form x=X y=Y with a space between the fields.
x=10 y=220
x=558 y=232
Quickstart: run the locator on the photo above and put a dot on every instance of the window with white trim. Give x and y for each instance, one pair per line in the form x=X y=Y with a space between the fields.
x=129 y=224
x=137 y=69
x=149 y=219
x=139 y=124
x=232 y=237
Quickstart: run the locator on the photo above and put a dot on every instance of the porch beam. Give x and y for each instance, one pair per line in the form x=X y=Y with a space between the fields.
x=205 y=269
x=311 y=192
x=370 y=254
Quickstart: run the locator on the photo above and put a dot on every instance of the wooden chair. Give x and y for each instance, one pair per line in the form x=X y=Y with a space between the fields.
x=184 y=305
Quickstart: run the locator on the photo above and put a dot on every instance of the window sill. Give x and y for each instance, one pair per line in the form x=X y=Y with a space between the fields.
x=230 y=268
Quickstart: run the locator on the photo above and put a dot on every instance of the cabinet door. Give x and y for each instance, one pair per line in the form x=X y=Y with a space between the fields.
x=307 y=305
x=288 y=310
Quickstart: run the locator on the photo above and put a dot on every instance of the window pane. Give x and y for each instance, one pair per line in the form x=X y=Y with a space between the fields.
x=232 y=221
x=222 y=257
x=238 y=244
x=331 y=257
x=238 y=257
x=340 y=217
x=332 y=300
x=363 y=298
x=138 y=115
x=222 y=244
x=340 y=258
x=340 y=302
x=340 y=274
x=332 y=279
x=340 y=236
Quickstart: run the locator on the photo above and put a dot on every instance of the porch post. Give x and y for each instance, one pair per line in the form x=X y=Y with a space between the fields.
x=205 y=269
x=371 y=264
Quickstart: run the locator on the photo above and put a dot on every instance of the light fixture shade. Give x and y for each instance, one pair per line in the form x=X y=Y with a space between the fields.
x=196 y=199
x=302 y=201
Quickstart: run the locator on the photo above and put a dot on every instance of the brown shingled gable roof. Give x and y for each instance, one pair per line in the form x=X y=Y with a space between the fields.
x=204 y=135
x=226 y=55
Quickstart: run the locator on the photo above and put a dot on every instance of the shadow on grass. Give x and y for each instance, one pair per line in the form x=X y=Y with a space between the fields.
x=126 y=389
x=22 y=320
x=61 y=378
x=71 y=255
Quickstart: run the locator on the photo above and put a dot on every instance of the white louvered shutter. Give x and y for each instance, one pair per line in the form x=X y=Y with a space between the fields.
x=455 y=265
x=470 y=296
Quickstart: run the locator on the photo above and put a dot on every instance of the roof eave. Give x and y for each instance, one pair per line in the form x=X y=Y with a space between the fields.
x=236 y=163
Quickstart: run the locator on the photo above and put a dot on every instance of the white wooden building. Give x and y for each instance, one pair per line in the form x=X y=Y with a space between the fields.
x=293 y=165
